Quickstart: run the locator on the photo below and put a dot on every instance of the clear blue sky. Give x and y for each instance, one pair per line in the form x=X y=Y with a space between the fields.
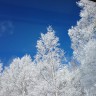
x=22 y=21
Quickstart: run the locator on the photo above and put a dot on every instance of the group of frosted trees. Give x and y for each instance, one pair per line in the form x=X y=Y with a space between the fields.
x=49 y=74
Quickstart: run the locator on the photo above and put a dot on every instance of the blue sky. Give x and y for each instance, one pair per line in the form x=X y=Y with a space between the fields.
x=22 y=21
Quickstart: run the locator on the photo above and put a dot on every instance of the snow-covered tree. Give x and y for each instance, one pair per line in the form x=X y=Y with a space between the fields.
x=85 y=29
x=19 y=78
x=0 y=73
x=83 y=37
x=49 y=59
x=88 y=67
x=54 y=80
x=69 y=83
